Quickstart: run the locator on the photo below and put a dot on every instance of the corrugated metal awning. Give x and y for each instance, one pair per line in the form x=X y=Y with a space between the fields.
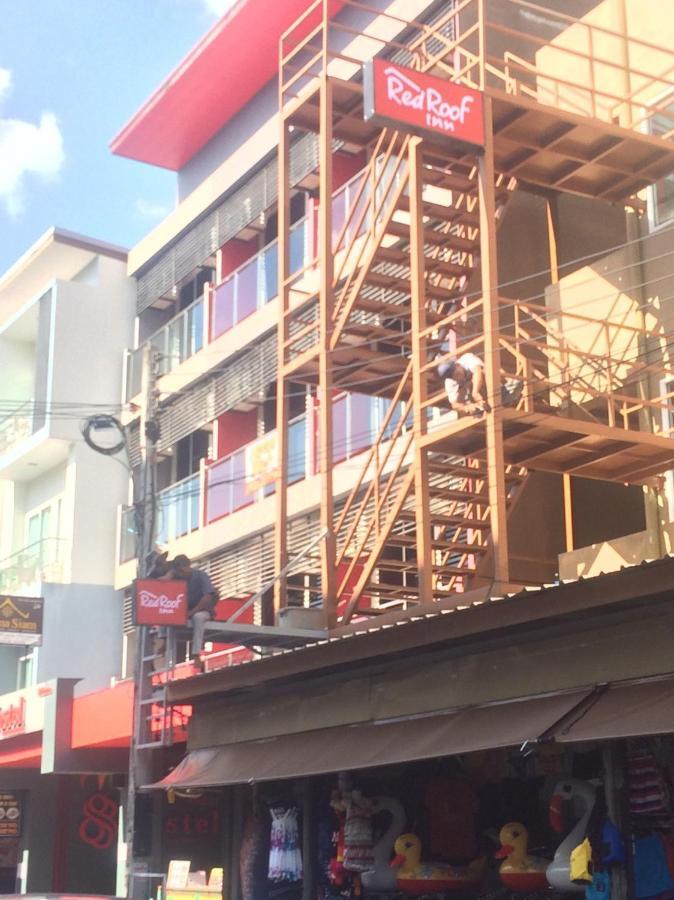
x=374 y=744
x=624 y=710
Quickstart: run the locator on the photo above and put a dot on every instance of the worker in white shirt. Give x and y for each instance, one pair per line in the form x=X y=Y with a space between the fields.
x=464 y=382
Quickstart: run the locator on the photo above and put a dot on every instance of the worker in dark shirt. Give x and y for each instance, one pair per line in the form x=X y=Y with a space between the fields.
x=201 y=598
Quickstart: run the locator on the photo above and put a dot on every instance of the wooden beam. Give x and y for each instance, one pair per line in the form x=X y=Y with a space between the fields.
x=281 y=523
x=494 y=423
x=552 y=221
x=324 y=359
x=419 y=375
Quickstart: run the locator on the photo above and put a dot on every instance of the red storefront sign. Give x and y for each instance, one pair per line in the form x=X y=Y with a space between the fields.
x=160 y=602
x=422 y=103
x=13 y=718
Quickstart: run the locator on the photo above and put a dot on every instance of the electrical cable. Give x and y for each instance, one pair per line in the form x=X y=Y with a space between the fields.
x=103 y=422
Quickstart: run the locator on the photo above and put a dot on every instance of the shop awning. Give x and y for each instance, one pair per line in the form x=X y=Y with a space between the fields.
x=364 y=746
x=624 y=710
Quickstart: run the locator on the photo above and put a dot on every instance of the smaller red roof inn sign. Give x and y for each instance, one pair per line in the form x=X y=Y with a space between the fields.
x=422 y=103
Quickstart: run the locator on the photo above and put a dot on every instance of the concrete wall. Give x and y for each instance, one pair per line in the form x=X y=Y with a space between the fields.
x=82 y=635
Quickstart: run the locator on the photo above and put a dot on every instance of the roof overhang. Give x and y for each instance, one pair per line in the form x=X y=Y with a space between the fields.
x=217 y=78
x=476 y=616
x=57 y=254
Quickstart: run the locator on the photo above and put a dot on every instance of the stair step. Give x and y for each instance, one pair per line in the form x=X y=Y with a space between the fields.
x=444 y=213
x=450 y=521
x=404 y=540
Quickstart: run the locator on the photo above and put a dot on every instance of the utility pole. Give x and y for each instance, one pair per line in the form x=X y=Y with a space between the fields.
x=139 y=759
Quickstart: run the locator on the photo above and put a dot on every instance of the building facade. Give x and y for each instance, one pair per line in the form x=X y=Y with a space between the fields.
x=66 y=310
x=389 y=188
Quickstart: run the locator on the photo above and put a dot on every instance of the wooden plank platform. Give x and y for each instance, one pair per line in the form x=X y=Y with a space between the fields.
x=555 y=443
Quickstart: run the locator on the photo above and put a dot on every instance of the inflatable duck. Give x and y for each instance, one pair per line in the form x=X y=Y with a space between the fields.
x=519 y=871
x=416 y=878
x=584 y=795
x=382 y=877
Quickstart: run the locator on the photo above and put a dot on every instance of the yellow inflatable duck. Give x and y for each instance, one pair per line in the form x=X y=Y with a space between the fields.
x=519 y=871
x=416 y=878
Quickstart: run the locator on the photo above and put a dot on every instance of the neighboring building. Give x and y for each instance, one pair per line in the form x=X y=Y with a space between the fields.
x=323 y=245
x=66 y=310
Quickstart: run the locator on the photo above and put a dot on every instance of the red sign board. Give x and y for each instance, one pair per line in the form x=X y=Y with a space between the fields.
x=422 y=103
x=161 y=602
x=13 y=718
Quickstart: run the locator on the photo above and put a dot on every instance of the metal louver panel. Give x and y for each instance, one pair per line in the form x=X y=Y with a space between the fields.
x=222 y=223
x=233 y=382
x=434 y=45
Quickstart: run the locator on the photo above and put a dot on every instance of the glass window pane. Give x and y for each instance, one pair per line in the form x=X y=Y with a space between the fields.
x=270 y=273
x=247 y=289
x=339 y=442
x=223 y=308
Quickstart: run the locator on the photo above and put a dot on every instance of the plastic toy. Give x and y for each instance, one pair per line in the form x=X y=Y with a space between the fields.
x=382 y=877
x=584 y=794
x=519 y=871
x=416 y=878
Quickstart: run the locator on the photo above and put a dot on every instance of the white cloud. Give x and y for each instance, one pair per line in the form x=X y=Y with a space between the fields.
x=217 y=7
x=149 y=210
x=26 y=149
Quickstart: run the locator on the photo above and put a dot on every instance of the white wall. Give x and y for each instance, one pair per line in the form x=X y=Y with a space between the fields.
x=17 y=368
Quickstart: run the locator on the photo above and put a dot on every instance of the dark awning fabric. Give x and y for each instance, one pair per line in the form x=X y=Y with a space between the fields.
x=364 y=746
x=625 y=710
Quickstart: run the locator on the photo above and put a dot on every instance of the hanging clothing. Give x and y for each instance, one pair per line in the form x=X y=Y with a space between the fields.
x=285 y=857
x=253 y=855
x=453 y=805
x=651 y=873
x=358 y=843
x=648 y=791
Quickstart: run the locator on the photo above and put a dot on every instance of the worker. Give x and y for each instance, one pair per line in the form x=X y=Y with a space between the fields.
x=201 y=598
x=464 y=382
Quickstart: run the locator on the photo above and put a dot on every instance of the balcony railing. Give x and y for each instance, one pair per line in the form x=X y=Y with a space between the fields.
x=178 y=509
x=18 y=426
x=255 y=283
x=233 y=482
x=41 y=561
x=175 y=342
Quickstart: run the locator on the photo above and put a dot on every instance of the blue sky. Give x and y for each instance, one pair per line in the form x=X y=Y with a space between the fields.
x=72 y=72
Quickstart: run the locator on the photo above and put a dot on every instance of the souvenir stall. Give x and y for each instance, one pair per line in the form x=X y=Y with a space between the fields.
x=593 y=819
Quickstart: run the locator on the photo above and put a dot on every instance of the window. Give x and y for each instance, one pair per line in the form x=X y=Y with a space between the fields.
x=26 y=674
x=661 y=194
x=43 y=527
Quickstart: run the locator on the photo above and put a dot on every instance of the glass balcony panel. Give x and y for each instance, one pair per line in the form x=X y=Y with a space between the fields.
x=134 y=370
x=195 y=327
x=127 y=535
x=240 y=494
x=339 y=212
x=361 y=413
x=339 y=429
x=247 y=287
x=269 y=281
x=298 y=248
x=178 y=509
x=297 y=433
x=18 y=426
x=39 y=561
x=223 y=307
x=219 y=490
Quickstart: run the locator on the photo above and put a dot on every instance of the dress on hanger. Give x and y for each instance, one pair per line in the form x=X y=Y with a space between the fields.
x=358 y=843
x=285 y=857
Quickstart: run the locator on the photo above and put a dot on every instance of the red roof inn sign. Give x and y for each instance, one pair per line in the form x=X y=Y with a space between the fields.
x=160 y=602
x=422 y=103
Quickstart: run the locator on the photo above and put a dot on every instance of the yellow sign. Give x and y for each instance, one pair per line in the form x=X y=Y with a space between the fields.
x=261 y=462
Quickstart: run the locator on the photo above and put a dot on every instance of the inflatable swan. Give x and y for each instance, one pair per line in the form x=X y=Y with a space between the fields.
x=558 y=872
x=382 y=877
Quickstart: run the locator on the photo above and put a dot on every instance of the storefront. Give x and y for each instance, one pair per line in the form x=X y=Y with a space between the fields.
x=552 y=710
x=63 y=763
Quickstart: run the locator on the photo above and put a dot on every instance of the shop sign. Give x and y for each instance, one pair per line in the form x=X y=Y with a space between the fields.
x=160 y=602
x=98 y=825
x=22 y=712
x=10 y=815
x=261 y=462
x=422 y=103
x=20 y=620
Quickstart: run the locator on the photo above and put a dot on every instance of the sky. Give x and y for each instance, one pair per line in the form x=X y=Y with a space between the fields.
x=72 y=72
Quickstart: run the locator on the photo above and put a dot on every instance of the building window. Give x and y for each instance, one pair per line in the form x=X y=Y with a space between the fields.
x=661 y=194
x=26 y=675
